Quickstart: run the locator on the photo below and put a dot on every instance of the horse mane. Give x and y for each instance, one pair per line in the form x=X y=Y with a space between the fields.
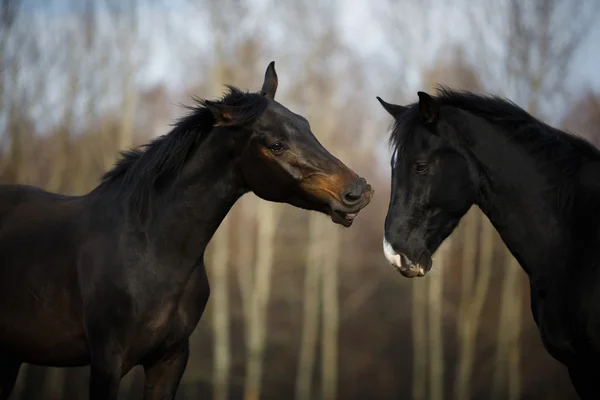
x=547 y=144
x=141 y=171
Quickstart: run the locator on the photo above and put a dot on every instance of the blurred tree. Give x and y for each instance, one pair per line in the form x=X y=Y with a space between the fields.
x=472 y=314
x=72 y=93
x=221 y=249
x=311 y=303
x=267 y=227
x=454 y=70
x=351 y=322
x=221 y=314
x=583 y=117
x=530 y=44
x=315 y=92
x=130 y=67
x=408 y=23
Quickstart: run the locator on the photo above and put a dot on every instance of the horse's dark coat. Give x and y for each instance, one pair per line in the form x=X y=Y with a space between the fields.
x=116 y=278
x=540 y=188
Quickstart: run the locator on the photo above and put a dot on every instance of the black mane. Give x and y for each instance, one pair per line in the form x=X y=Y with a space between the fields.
x=140 y=171
x=546 y=143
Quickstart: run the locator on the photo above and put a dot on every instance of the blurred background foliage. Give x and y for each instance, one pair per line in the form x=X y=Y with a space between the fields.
x=301 y=308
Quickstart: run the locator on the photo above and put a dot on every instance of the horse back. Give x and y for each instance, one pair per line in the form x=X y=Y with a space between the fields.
x=28 y=209
x=12 y=196
x=40 y=236
x=32 y=218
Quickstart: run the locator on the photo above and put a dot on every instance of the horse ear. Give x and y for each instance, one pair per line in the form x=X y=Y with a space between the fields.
x=269 y=86
x=428 y=107
x=222 y=113
x=394 y=109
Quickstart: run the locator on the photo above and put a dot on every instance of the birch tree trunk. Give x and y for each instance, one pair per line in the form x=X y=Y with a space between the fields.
x=419 y=335
x=436 y=328
x=330 y=314
x=507 y=360
x=60 y=161
x=468 y=329
x=514 y=351
x=125 y=139
x=17 y=153
x=220 y=314
x=267 y=227
x=245 y=258
x=469 y=258
x=219 y=278
x=311 y=305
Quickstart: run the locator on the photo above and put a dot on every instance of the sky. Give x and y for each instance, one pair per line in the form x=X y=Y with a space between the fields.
x=173 y=58
x=361 y=29
x=360 y=24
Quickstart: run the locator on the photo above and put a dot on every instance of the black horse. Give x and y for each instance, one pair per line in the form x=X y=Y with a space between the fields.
x=116 y=278
x=540 y=188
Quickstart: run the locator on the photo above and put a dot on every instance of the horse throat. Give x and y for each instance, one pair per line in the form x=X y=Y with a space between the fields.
x=196 y=204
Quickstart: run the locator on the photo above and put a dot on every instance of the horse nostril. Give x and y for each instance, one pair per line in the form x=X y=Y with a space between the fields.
x=351 y=196
x=354 y=192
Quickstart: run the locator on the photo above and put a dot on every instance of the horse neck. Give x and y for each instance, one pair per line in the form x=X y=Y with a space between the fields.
x=191 y=211
x=518 y=199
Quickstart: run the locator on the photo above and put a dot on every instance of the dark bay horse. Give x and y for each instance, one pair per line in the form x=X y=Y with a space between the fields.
x=116 y=278
x=539 y=187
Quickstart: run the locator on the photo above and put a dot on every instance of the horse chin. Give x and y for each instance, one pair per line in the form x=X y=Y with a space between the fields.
x=344 y=219
x=413 y=272
x=409 y=273
x=339 y=217
x=409 y=269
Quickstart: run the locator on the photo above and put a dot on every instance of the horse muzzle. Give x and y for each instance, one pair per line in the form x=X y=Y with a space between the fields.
x=405 y=265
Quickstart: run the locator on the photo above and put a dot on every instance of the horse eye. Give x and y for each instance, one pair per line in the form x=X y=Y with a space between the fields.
x=276 y=147
x=421 y=168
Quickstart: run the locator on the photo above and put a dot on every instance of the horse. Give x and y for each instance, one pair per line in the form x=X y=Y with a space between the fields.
x=539 y=187
x=116 y=278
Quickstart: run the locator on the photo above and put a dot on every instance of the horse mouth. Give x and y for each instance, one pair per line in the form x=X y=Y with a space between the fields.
x=343 y=218
x=404 y=265
x=409 y=269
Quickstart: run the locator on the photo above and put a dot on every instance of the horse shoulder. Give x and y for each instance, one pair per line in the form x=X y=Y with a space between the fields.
x=194 y=298
x=588 y=177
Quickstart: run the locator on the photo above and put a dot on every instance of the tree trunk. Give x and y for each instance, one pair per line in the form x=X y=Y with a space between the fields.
x=436 y=327
x=34 y=382
x=468 y=329
x=60 y=161
x=245 y=257
x=311 y=301
x=506 y=380
x=469 y=258
x=125 y=140
x=330 y=315
x=514 y=348
x=267 y=226
x=419 y=334
x=220 y=312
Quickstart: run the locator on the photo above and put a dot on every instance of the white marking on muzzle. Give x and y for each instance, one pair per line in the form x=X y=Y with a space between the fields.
x=392 y=257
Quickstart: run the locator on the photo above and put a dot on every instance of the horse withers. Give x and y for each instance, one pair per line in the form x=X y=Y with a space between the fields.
x=539 y=187
x=116 y=278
